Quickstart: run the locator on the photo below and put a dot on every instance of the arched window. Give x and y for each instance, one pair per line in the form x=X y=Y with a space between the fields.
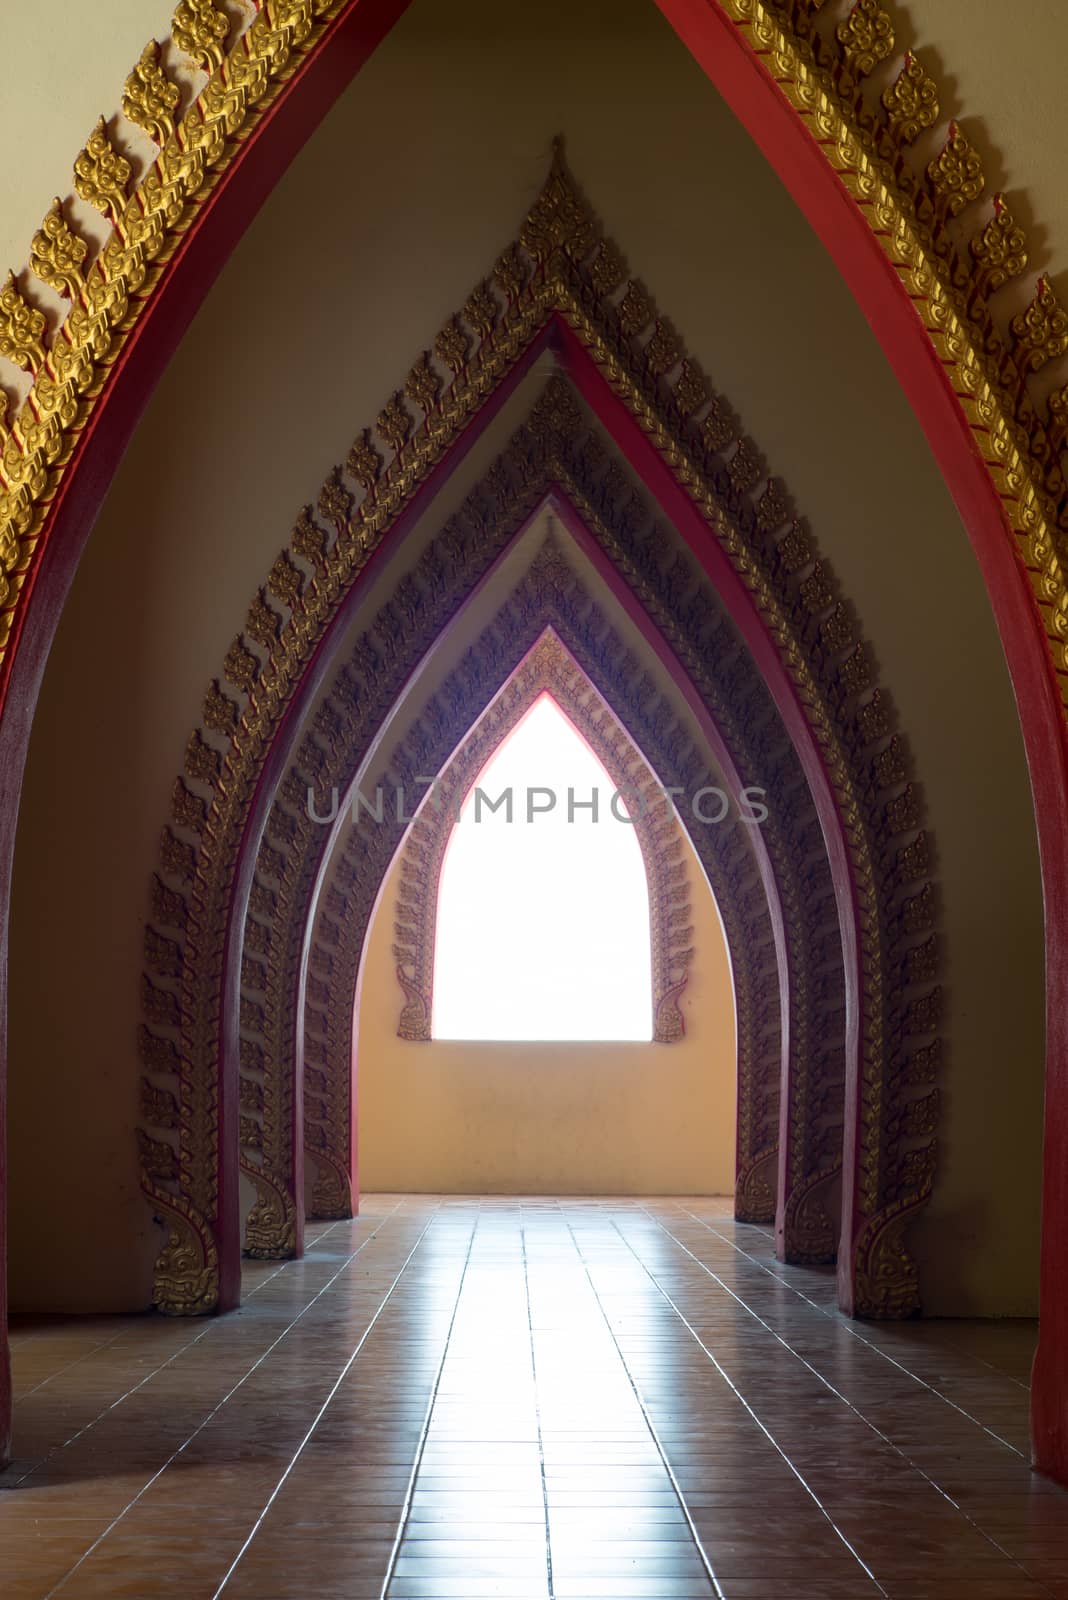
x=543 y=917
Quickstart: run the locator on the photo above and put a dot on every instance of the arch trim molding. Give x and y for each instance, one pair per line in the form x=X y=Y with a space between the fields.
x=548 y=668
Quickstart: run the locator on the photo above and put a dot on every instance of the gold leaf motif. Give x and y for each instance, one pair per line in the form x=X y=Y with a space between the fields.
x=956 y=173
x=423 y=383
x=911 y=101
x=718 y=428
x=57 y=253
x=241 y=666
x=663 y=349
x=452 y=345
x=395 y=422
x=999 y=250
x=163 y=956
x=692 y=389
x=150 y=99
x=309 y=540
x=21 y=327
x=178 y=859
x=773 y=508
x=285 y=581
x=187 y=809
x=156 y=1053
x=636 y=310
x=1058 y=418
x=559 y=219
x=1040 y=333
x=202 y=760
x=745 y=467
x=220 y=712
x=335 y=502
x=251 y=1134
x=200 y=29
x=250 y=1094
x=263 y=622
x=364 y=461
x=481 y=310
x=159 y=1005
x=510 y=272
x=168 y=905
x=158 y=1106
x=866 y=37
x=159 y=1160
x=101 y=173
x=607 y=269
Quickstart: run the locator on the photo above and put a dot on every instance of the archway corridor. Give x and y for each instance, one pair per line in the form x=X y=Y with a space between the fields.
x=461 y=1397
x=384 y=371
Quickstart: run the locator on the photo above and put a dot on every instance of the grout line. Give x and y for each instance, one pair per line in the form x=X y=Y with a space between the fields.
x=669 y=1470
x=421 y=1448
x=848 y=1327
x=212 y=1414
x=828 y=1385
x=342 y=1375
x=212 y=1326
x=537 y=1407
x=765 y=1430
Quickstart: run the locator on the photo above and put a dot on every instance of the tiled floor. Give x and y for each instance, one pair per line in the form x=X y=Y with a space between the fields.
x=594 y=1400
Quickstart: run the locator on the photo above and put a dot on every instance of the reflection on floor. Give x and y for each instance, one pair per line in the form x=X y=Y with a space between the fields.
x=590 y=1399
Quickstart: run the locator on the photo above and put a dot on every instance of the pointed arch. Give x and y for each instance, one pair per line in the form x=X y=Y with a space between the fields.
x=735 y=40
x=564 y=286
x=487 y=691
x=547 y=669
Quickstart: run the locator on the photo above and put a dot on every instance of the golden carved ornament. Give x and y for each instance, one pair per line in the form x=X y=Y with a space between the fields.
x=1019 y=439
x=57 y=254
x=200 y=29
x=1040 y=333
x=101 y=173
x=999 y=249
x=150 y=99
x=21 y=328
x=866 y=36
x=911 y=101
x=956 y=174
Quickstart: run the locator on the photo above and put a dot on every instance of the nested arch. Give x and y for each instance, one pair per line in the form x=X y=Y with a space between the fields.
x=1016 y=466
x=566 y=282
x=548 y=669
x=488 y=689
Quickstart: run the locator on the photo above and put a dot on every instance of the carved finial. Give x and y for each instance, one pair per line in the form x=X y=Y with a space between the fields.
x=200 y=29
x=956 y=173
x=364 y=461
x=394 y=422
x=452 y=345
x=423 y=383
x=335 y=502
x=911 y=101
x=57 y=253
x=150 y=99
x=999 y=250
x=101 y=173
x=1040 y=332
x=480 y=310
x=866 y=37
x=559 y=219
x=21 y=327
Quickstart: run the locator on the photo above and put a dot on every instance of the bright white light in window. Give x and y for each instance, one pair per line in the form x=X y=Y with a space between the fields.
x=543 y=921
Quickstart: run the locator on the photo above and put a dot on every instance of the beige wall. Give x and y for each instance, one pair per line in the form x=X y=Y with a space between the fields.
x=451 y=1117
x=267 y=390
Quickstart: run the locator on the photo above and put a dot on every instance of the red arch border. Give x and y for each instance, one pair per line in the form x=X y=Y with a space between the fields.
x=725 y=54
